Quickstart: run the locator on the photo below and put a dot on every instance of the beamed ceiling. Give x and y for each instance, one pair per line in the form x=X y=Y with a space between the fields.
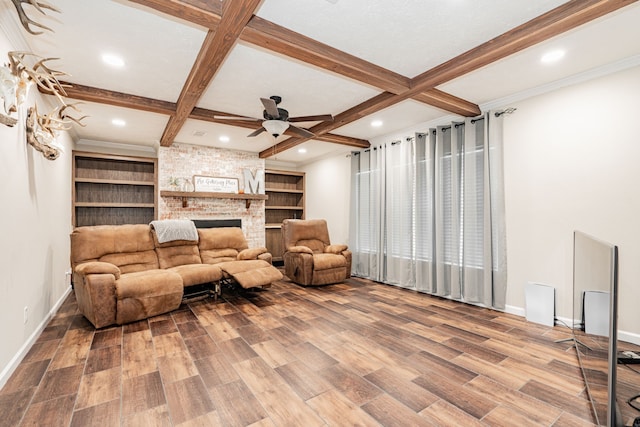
x=191 y=63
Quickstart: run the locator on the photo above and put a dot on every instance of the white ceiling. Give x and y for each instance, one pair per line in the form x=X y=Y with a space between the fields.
x=405 y=36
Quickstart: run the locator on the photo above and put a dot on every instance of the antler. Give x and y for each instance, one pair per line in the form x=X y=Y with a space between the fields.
x=33 y=139
x=41 y=74
x=65 y=117
x=26 y=21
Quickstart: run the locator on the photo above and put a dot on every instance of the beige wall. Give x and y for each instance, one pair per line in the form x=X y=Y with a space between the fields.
x=327 y=195
x=571 y=163
x=35 y=222
x=571 y=160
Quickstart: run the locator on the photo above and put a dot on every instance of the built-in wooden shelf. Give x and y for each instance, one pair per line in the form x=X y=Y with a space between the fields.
x=285 y=208
x=114 y=205
x=113 y=189
x=286 y=201
x=114 y=181
x=185 y=195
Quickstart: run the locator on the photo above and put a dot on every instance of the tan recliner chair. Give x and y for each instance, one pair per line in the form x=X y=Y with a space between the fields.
x=309 y=257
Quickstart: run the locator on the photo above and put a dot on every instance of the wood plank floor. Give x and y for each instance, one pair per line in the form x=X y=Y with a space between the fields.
x=356 y=353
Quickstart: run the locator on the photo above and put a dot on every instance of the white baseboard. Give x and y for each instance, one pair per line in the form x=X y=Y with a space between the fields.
x=629 y=337
x=15 y=361
x=511 y=309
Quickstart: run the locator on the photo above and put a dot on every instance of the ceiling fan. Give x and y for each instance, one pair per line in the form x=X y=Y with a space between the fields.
x=276 y=120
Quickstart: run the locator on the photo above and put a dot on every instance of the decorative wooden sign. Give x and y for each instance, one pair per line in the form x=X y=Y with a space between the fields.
x=215 y=184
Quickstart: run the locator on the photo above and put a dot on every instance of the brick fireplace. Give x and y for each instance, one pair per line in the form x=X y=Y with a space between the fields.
x=180 y=162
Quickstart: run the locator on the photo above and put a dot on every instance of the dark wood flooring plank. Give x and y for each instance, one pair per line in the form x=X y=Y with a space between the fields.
x=304 y=381
x=352 y=386
x=54 y=412
x=471 y=402
x=99 y=387
x=106 y=414
x=103 y=358
x=335 y=409
x=216 y=370
x=391 y=413
x=107 y=337
x=25 y=376
x=14 y=405
x=59 y=382
x=188 y=399
x=142 y=393
x=560 y=399
x=237 y=406
x=406 y=392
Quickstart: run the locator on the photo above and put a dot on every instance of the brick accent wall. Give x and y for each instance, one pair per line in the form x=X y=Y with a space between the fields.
x=184 y=161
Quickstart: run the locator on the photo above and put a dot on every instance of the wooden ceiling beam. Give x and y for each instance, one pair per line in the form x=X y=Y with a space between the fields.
x=268 y=35
x=201 y=12
x=214 y=51
x=117 y=99
x=555 y=22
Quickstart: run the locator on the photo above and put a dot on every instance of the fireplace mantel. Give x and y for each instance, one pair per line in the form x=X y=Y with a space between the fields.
x=185 y=195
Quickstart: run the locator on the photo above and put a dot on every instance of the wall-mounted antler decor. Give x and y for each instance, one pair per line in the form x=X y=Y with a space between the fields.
x=17 y=76
x=26 y=21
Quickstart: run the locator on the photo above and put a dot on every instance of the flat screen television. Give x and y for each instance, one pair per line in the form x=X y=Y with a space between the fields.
x=595 y=314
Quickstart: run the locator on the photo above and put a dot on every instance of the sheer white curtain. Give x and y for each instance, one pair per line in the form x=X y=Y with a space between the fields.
x=428 y=212
x=381 y=235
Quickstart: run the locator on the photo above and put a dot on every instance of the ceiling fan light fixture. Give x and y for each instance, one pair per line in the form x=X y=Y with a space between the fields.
x=275 y=127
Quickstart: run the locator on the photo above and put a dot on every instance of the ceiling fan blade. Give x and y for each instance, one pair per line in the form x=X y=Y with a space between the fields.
x=236 y=118
x=318 y=118
x=301 y=132
x=256 y=132
x=271 y=107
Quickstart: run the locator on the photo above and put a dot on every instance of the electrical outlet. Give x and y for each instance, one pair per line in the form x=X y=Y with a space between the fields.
x=26 y=314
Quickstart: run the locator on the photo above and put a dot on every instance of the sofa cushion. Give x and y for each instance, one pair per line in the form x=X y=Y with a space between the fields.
x=91 y=243
x=197 y=274
x=133 y=261
x=173 y=256
x=213 y=256
x=222 y=238
x=148 y=293
x=253 y=253
x=251 y=273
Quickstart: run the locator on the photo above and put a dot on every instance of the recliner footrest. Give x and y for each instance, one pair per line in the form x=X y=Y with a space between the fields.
x=251 y=273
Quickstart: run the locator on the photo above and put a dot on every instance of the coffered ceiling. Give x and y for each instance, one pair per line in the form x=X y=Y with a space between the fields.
x=401 y=62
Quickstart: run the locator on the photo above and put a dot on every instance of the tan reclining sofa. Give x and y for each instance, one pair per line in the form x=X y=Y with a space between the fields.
x=122 y=273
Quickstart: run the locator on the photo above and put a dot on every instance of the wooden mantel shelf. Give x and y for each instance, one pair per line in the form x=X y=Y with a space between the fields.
x=208 y=195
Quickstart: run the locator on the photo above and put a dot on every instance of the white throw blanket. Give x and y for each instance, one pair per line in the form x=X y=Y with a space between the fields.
x=168 y=230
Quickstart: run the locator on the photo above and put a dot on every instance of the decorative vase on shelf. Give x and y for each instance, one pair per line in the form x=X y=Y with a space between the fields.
x=187 y=185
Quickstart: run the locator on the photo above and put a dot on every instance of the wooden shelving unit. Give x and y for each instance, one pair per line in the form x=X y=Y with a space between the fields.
x=112 y=189
x=286 y=201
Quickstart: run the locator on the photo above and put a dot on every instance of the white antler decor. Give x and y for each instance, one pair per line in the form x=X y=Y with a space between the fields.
x=18 y=75
x=26 y=21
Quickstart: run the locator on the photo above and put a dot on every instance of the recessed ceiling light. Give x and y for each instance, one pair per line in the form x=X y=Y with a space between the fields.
x=118 y=122
x=113 y=60
x=224 y=138
x=552 y=56
x=376 y=123
x=302 y=150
